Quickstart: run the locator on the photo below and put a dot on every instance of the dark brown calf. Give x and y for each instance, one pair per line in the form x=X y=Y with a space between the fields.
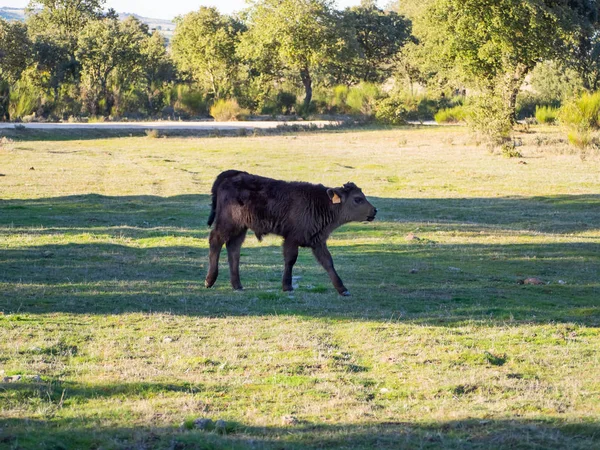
x=304 y=214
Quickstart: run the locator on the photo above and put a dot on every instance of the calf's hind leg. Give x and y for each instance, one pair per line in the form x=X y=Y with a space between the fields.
x=216 y=244
x=290 y=255
x=234 y=244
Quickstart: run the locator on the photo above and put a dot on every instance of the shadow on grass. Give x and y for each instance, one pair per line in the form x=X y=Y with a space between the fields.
x=562 y=214
x=458 y=434
x=158 y=262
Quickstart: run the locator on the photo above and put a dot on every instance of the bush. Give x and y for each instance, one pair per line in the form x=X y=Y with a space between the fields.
x=391 y=111
x=361 y=99
x=546 y=114
x=188 y=100
x=491 y=119
x=581 y=116
x=285 y=101
x=228 y=110
x=24 y=101
x=451 y=115
x=340 y=97
x=582 y=112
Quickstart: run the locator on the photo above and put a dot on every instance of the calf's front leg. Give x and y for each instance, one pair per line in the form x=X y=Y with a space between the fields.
x=322 y=254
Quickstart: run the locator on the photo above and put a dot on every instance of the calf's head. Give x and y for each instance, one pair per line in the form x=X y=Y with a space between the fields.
x=354 y=206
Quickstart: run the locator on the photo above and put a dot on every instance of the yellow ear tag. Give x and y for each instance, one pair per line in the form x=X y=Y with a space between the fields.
x=336 y=199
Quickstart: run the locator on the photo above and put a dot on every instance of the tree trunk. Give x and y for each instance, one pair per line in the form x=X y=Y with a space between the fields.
x=307 y=82
x=513 y=82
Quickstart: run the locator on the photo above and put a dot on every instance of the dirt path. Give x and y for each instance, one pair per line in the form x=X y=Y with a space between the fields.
x=165 y=125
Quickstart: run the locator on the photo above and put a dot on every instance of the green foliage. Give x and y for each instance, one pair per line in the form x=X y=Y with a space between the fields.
x=297 y=36
x=26 y=96
x=157 y=71
x=15 y=50
x=552 y=82
x=491 y=118
x=451 y=115
x=361 y=99
x=285 y=101
x=391 y=111
x=582 y=112
x=546 y=114
x=373 y=39
x=493 y=45
x=581 y=116
x=106 y=49
x=228 y=110
x=204 y=46
x=340 y=96
x=188 y=99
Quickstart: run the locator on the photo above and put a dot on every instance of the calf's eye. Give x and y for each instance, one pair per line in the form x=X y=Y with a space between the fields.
x=358 y=200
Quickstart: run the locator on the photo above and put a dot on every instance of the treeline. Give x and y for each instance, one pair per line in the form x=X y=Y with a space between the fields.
x=72 y=59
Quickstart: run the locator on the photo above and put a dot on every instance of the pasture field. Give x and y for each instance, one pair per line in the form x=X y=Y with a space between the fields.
x=105 y=318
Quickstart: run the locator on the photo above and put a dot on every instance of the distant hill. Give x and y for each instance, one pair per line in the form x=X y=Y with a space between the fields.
x=165 y=27
x=12 y=13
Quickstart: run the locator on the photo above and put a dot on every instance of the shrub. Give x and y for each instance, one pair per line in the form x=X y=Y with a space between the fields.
x=152 y=134
x=188 y=100
x=583 y=112
x=340 y=96
x=546 y=114
x=285 y=101
x=391 y=111
x=228 y=110
x=451 y=115
x=491 y=119
x=581 y=116
x=361 y=99
x=24 y=100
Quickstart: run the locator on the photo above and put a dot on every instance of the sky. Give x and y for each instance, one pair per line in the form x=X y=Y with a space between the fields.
x=160 y=9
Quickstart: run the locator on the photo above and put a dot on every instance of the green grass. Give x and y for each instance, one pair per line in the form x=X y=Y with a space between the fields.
x=103 y=252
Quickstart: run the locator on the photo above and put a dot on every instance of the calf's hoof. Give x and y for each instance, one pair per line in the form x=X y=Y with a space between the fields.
x=345 y=294
x=208 y=283
x=287 y=289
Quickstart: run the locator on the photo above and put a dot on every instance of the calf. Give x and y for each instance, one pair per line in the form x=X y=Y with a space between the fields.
x=304 y=214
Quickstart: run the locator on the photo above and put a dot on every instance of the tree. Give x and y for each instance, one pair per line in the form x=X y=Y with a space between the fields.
x=54 y=27
x=291 y=35
x=109 y=53
x=15 y=56
x=64 y=19
x=492 y=45
x=204 y=46
x=157 y=68
x=376 y=37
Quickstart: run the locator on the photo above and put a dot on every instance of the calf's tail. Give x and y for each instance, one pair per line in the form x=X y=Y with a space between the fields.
x=215 y=187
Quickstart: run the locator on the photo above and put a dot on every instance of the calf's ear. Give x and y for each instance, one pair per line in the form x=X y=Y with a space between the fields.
x=334 y=196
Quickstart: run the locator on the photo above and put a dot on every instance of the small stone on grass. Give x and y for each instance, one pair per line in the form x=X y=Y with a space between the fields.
x=203 y=424
x=221 y=426
x=289 y=420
